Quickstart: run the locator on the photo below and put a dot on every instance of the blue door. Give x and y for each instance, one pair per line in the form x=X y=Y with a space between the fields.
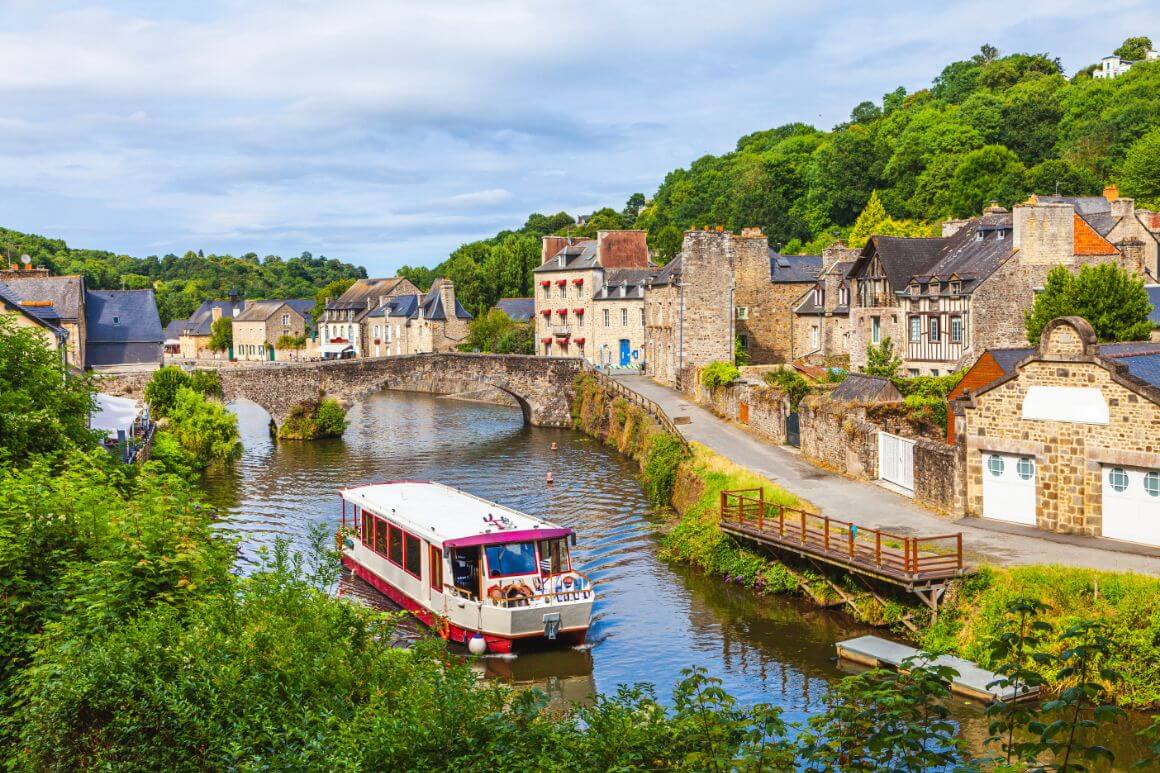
x=625 y=353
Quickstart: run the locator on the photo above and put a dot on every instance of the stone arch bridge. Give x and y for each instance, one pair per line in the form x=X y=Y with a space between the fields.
x=541 y=386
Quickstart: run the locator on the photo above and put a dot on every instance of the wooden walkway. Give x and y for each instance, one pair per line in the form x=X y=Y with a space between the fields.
x=918 y=564
x=972 y=680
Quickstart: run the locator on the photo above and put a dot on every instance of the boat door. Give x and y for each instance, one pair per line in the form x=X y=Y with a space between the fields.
x=434 y=573
x=465 y=570
x=625 y=353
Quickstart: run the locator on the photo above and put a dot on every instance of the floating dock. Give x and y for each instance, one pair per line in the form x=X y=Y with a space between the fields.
x=972 y=681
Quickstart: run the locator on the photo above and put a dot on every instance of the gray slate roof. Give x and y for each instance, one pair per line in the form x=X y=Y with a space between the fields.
x=1145 y=367
x=579 y=255
x=122 y=316
x=174 y=328
x=861 y=388
x=1007 y=359
x=1154 y=296
x=65 y=292
x=794 y=268
x=201 y=321
x=667 y=272
x=519 y=309
x=305 y=307
x=903 y=257
x=46 y=315
x=973 y=258
x=620 y=292
x=363 y=290
x=1084 y=205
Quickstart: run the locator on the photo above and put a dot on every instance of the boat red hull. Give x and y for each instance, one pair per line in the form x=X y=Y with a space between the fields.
x=446 y=629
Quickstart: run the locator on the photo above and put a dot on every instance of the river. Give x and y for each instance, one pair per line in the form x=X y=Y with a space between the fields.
x=652 y=618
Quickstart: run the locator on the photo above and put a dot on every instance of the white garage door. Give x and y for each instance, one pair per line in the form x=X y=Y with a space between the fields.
x=1009 y=488
x=896 y=460
x=1132 y=504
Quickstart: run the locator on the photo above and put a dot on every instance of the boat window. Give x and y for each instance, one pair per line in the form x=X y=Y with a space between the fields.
x=368 y=530
x=435 y=574
x=465 y=570
x=554 y=556
x=512 y=559
x=413 y=560
x=395 y=554
x=380 y=537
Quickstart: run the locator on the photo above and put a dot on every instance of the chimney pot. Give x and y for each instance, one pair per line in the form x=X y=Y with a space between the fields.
x=1111 y=192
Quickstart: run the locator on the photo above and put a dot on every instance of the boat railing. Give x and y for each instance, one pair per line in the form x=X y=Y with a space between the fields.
x=582 y=591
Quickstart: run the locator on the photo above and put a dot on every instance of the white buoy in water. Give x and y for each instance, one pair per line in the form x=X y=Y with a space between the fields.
x=477 y=645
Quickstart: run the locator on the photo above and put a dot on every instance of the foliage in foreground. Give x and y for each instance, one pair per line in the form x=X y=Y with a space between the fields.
x=498 y=333
x=314 y=419
x=718 y=374
x=1112 y=300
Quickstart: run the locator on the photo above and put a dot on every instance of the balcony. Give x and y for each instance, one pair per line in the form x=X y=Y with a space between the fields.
x=561 y=331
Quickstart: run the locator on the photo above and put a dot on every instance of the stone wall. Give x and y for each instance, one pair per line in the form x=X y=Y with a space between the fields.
x=759 y=407
x=836 y=436
x=938 y=476
x=706 y=279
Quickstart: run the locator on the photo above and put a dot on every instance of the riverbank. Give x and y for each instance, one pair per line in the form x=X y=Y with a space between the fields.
x=974 y=608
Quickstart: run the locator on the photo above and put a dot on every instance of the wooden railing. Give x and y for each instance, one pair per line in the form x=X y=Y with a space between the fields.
x=844 y=541
x=654 y=410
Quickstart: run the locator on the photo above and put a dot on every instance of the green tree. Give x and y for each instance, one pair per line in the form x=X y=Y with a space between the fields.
x=41 y=408
x=1140 y=174
x=1112 y=300
x=881 y=360
x=287 y=342
x=204 y=428
x=1134 y=49
x=667 y=243
x=221 y=334
x=991 y=173
x=331 y=292
x=161 y=391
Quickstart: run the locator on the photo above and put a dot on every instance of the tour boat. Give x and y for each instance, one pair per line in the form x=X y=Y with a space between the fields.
x=479 y=573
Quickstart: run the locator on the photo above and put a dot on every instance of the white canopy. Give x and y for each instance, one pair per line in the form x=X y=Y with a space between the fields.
x=113 y=414
x=335 y=348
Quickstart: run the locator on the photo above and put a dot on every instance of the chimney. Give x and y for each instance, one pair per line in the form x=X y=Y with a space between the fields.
x=215 y=312
x=952 y=227
x=550 y=245
x=1111 y=192
x=1044 y=234
x=622 y=249
x=1132 y=255
x=447 y=296
x=1122 y=208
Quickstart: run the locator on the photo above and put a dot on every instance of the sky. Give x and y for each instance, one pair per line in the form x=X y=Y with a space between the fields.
x=388 y=133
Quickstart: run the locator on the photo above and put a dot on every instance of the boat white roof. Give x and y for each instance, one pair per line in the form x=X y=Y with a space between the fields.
x=440 y=513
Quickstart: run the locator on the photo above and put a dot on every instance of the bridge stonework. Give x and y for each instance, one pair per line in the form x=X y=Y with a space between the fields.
x=541 y=386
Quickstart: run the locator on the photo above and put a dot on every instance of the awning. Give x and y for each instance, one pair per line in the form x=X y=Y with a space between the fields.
x=561 y=281
x=579 y=341
x=547 y=340
x=578 y=312
x=546 y=312
x=506 y=537
x=562 y=312
x=578 y=281
x=113 y=414
x=545 y=283
x=335 y=348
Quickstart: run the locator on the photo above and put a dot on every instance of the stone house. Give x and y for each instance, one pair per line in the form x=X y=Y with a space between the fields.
x=343 y=322
x=618 y=319
x=65 y=295
x=260 y=324
x=943 y=301
x=517 y=309
x=417 y=323
x=1070 y=440
x=689 y=309
x=195 y=332
x=123 y=329
x=1112 y=66
x=766 y=287
x=41 y=318
x=821 y=317
x=1117 y=220
x=570 y=275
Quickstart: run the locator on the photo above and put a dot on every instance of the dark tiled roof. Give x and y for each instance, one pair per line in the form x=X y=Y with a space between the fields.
x=630 y=275
x=363 y=296
x=1154 y=296
x=579 y=255
x=620 y=291
x=46 y=315
x=842 y=268
x=65 y=292
x=123 y=316
x=305 y=307
x=860 y=388
x=973 y=258
x=1145 y=367
x=1084 y=205
x=402 y=306
x=519 y=309
x=903 y=257
x=667 y=272
x=174 y=328
x=1006 y=359
x=1128 y=348
x=258 y=311
x=794 y=268
x=1102 y=222
x=200 y=321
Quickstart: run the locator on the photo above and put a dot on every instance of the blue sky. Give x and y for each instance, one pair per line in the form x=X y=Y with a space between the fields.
x=390 y=132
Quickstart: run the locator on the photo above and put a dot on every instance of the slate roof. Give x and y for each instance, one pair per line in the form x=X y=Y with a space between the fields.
x=257 y=311
x=409 y=306
x=970 y=257
x=45 y=315
x=65 y=292
x=667 y=272
x=794 y=268
x=581 y=254
x=122 y=316
x=364 y=290
x=1084 y=205
x=174 y=328
x=1007 y=359
x=1145 y=367
x=621 y=291
x=1102 y=222
x=1154 y=296
x=200 y=321
x=305 y=307
x=861 y=388
x=903 y=257
x=519 y=309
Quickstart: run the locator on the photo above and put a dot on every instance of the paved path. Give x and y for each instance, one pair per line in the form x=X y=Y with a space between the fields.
x=874 y=506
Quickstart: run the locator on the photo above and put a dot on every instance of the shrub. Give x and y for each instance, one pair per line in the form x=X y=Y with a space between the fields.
x=791 y=383
x=330 y=419
x=880 y=359
x=314 y=419
x=664 y=455
x=720 y=373
x=161 y=391
x=204 y=428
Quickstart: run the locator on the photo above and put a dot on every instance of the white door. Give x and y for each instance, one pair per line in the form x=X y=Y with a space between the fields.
x=896 y=460
x=1009 y=488
x=1131 y=504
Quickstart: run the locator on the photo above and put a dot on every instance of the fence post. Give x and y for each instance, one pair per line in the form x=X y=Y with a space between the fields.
x=761 y=509
x=959 y=541
x=781 y=520
x=906 y=554
x=850 y=531
x=826 y=533
x=878 y=548
x=802 y=536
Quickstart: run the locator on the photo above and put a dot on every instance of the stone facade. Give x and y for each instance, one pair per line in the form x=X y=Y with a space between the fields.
x=260 y=325
x=1068 y=454
x=821 y=316
x=344 y=319
x=618 y=326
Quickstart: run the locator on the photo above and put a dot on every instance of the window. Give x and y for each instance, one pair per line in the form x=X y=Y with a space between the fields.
x=642 y=316
x=1026 y=468
x=912 y=372
x=955 y=287
x=843 y=296
x=979 y=235
x=744 y=339
x=995 y=465
x=742 y=312
x=876 y=329
x=606 y=317
x=934 y=371
x=368 y=530
x=815 y=337
x=380 y=537
x=116 y=320
x=395 y=546
x=554 y=556
x=285 y=319
x=934 y=331
x=819 y=296
x=413 y=556
x=915 y=329
x=1000 y=234
x=956 y=330
x=1152 y=484
x=1118 y=478
x=435 y=576
x=623 y=317
x=511 y=560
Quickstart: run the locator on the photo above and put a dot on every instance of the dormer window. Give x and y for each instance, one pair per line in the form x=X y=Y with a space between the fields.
x=1000 y=234
x=956 y=288
x=819 y=295
x=914 y=288
x=843 y=296
x=116 y=320
x=934 y=288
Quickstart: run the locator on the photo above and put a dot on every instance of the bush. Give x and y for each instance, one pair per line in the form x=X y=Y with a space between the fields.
x=664 y=455
x=331 y=418
x=313 y=420
x=791 y=383
x=720 y=373
x=161 y=391
x=204 y=428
